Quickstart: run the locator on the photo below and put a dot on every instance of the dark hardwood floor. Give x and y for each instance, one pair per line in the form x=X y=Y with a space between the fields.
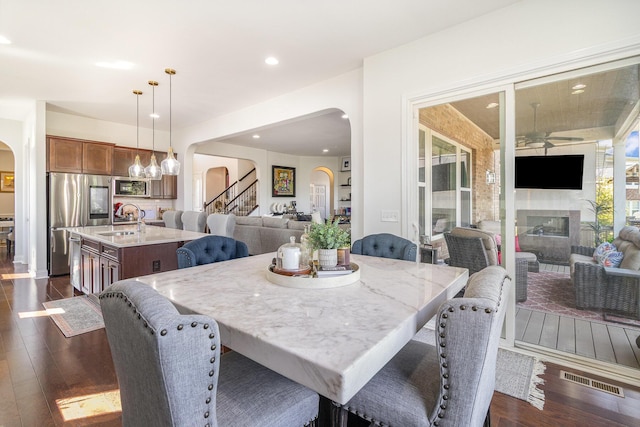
x=49 y=380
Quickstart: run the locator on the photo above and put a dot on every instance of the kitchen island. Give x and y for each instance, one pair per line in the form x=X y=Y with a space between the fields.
x=105 y=254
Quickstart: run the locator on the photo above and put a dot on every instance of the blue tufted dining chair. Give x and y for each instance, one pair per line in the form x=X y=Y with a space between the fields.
x=171 y=373
x=452 y=383
x=385 y=245
x=208 y=249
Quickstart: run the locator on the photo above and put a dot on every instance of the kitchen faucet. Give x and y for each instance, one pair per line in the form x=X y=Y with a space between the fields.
x=140 y=212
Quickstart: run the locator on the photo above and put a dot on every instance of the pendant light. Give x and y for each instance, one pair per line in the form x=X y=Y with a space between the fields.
x=136 y=170
x=153 y=171
x=170 y=166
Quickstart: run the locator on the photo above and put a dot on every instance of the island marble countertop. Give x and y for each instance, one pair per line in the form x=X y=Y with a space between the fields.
x=123 y=236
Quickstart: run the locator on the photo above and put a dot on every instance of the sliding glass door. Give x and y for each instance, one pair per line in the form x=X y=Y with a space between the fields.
x=566 y=176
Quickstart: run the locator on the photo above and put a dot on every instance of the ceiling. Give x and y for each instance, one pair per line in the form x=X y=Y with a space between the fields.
x=217 y=47
x=608 y=98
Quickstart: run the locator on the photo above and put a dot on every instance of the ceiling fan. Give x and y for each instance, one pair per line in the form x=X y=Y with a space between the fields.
x=538 y=139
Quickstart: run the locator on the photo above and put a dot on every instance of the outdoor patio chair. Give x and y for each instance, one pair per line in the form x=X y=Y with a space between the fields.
x=476 y=250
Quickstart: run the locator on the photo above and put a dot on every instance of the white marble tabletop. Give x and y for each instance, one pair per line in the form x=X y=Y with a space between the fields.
x=331 y=340
x=149 y=234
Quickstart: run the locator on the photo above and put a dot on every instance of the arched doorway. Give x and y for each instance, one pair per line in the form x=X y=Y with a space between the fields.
x=7 y=192
x=321 y=192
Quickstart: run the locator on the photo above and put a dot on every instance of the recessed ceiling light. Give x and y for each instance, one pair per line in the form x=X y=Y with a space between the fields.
x=4 y=40
x=154 y=115
x=345 y=116
x=272 y=61
x=575 y=92
x=579 y=86
x=116 y=65
x=325 y=150
x=256 y=136
x=492 y=105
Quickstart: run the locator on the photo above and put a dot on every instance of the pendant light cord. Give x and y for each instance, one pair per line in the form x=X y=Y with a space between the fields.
x=170 y=91
x=138 y=93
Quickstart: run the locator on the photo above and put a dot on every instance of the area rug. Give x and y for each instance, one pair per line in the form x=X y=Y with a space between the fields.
x=553 y=292
x=517 y=375
x=76 y=315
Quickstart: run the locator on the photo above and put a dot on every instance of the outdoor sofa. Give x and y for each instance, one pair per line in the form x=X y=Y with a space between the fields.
x=614 y=289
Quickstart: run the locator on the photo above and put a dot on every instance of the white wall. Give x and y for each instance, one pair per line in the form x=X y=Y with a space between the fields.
x=527 y=39
x=61 y=124
x=342 y=92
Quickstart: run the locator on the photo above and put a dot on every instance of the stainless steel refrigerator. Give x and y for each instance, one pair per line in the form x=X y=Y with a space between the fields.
x=74 y=200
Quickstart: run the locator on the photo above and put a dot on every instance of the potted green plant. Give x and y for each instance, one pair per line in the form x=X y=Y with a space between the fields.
x=327 y=238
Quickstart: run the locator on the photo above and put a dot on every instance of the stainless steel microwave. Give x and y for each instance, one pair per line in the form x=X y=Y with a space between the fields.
x=131 y=187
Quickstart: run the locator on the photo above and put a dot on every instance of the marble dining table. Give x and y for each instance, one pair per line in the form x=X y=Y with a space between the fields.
x=331 y=340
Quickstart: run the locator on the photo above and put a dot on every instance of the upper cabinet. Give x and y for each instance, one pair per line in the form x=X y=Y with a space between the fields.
x=167 y=187
x=79 y=156
x=123 y=157
x=97 y=158
x=65 y=155
x=102 y=158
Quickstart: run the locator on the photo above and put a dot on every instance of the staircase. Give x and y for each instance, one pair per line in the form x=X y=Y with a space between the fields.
x=241 y=203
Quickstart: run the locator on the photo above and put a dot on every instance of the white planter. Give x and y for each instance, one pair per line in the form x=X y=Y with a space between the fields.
x=328 y=257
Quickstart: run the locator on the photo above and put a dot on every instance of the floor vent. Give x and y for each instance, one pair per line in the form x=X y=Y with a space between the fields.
x=588 y=382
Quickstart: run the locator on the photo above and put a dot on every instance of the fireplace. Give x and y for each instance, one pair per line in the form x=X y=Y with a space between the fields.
x=556 y=226
x=549 y=233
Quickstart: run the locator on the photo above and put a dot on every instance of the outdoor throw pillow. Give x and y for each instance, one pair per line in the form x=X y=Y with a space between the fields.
x=602 y=249
x=611 y=259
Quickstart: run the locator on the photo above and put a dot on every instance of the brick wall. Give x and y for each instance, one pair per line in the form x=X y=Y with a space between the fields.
x=447 y=121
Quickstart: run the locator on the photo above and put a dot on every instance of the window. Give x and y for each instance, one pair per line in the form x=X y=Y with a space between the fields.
x=444 y=185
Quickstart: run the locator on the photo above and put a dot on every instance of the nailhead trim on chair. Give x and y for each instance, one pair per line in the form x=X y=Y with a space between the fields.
x=444 y=367
x=164 y=332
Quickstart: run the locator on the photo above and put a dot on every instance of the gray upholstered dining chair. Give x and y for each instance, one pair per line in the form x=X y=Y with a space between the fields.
x=208 y=249
x=221 y=224
x=172 y=219
x=385 y=245
x=194 y=221
x=452 y=383
x=171 y=373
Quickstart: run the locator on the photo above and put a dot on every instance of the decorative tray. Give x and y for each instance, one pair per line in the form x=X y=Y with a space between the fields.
x=307 y=282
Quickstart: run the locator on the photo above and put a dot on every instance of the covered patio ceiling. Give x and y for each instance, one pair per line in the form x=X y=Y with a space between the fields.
x=606 y=103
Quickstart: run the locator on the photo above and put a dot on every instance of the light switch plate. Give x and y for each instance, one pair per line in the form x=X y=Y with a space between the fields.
x=390 y=216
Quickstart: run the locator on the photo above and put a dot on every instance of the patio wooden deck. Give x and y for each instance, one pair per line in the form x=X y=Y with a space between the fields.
x=603 y=341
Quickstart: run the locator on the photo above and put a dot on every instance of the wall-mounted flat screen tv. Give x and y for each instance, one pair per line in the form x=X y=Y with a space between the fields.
x=562 y=172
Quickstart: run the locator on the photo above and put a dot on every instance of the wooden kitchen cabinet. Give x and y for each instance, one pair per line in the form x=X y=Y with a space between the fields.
x=91 y=278
x=78 y=156
x=100 y=266
x=167 y=187
x=97 y=158
x=103 y=264
x=110 y=272
x=123 y=157
x=64 y=155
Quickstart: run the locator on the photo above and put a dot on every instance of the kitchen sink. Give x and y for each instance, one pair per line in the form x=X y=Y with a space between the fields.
x=117 y=233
